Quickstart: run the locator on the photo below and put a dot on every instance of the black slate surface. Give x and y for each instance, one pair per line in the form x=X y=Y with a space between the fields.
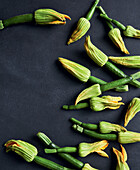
x=34 y=86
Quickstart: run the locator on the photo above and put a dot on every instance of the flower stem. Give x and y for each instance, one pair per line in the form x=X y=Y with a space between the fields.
x=91 y=12
x=85 y=125
x=75 y=162
x=78 y=106
x=103 y=12
x=18 y=19
x=111 y=67
x=94 y=134
x=62 y=150
x=117 y=23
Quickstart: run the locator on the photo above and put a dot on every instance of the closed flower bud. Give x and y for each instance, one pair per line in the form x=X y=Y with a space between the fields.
x=24 y=149
x=1 y=25
x=77 y=70
x=128 y=137
x=49 y=16
x=106 y=127
x=94 y=53
x=101 y=103
x=121 y=158
x=89 y=92
x=116 y=38
x=98 y=147
x=88 y=167
x=83 y=26
x=131 y=32
x=133 y=109
x=129 y=61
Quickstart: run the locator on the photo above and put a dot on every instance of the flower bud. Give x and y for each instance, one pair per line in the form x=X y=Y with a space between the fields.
x=88 y=167
x=128 y=137
x=89 y=92
x=131 y=32
x=24 y=149
x=1 y=25
x=121 y=158
x=98 y=147
x=116 y=38
x=94 y=53
x=83 y=26
x=101 y=103
x=129 y=61
x=49 y=16
x=77 y=70
x=133 y=109
x=106 y=127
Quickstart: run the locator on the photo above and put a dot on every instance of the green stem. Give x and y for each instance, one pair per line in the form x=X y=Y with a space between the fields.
x=85 y=125
x=18 y=20
x=75 y=162
x=95 y=80
x=92 y=10
x=94 y=134
x=49 y=164
x=107 y=22
x=62 y=150
x=117 y=23
x=113 y=84
x=111 y=67
x=78 y=106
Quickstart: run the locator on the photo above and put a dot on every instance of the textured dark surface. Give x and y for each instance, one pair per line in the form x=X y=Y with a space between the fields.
x=34 y=86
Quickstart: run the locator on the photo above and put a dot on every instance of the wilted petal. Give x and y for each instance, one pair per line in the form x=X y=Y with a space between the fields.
x=116 y=38
x=89 y=93
x=94 y=53
x=77 y=70
x=106 y=127
x=101 y=103
x=121 y=158
x=88 y=167
x=131 y=32
x=83 y=26
x=50 y=16
x=133 y=109
x=87 y=148
x=24 y=149
x=129 y=61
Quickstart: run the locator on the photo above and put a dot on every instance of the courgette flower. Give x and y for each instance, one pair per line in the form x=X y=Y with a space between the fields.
x=133 y=109
x=129 y=61
x=83 y=26
x=101 y=103
x=131 y=32
x=24 y=149
x=77 y=70
x=115 y=36
x=106 y=127
x=49 y=16
x=98 y=147
x=121 y=158
x=128 y=137
x=89 y=92
x=88 y=167
x=94 y=53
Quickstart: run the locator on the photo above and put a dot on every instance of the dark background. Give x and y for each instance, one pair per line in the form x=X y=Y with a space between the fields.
x=34 y=86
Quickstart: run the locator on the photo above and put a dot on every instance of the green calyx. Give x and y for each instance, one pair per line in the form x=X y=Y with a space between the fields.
x=131 y=32
x=24 y=149
x=94 y=53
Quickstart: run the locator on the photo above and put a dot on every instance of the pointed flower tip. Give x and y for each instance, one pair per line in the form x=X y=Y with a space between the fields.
x=50 y=16
x=83 y=26
x=133 y=109
x=88 y=167
x=89 y=92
